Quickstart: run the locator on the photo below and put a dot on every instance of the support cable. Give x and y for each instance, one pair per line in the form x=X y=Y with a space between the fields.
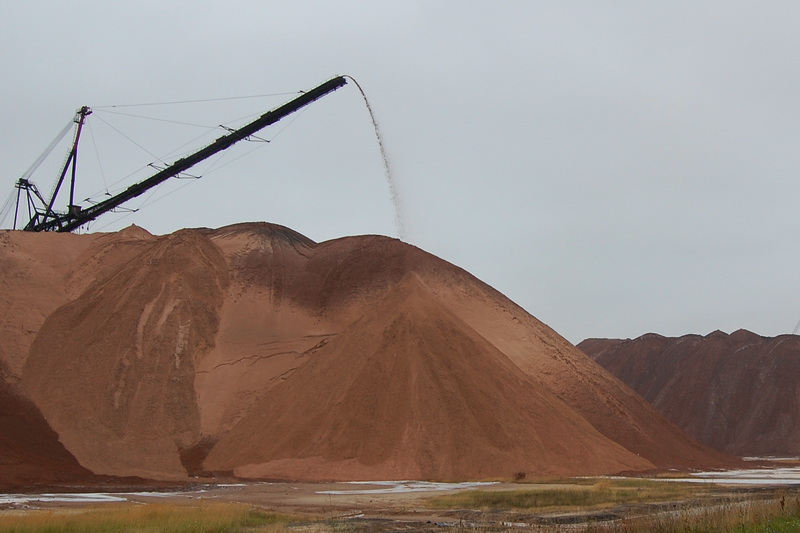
x=176 y=151
x=215 y=166
x=148 y=152
x=97 y=154
x=155 y=119
x=198 y=101
x=49 y=149
x=7 y=206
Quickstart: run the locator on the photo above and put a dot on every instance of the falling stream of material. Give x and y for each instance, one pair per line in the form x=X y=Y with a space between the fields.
x=387 y=169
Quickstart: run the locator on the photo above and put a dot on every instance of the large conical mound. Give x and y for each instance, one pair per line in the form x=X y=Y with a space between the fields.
x=255 y=350
x=410 y=391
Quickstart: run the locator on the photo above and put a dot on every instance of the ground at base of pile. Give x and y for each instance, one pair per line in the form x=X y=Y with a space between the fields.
x=620 y=505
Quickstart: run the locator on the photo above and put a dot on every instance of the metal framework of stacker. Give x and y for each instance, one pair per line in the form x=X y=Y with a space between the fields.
x=43 y=217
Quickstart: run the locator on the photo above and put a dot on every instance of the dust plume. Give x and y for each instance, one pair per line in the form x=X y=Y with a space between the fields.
x=387 y=168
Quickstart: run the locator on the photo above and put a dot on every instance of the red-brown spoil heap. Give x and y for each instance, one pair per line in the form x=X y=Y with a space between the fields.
x=737 y=392
x=409 y=391
x=357 y=358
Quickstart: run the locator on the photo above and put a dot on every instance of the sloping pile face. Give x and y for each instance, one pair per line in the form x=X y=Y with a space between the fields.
x=739 y=393
x=253 y=349
x=34 y=282
x=114 y=371
x=608 y=404
x=30 y=452
x=411 y=391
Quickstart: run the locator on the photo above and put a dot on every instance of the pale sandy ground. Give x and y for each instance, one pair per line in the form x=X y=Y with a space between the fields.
x=399 y=500
x=362 y=507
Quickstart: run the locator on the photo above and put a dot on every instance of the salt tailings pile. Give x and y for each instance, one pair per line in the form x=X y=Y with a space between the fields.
x=251 y=349
x=738 y=393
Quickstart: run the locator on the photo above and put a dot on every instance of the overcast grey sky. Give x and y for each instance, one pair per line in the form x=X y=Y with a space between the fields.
x=616 y=167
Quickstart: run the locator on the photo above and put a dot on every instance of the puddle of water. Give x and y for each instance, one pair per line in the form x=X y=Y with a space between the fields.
x=83 y=497
x=61 y=498
x=754 y=476
x=772 y=458
x=395 y=487
x=757 y=476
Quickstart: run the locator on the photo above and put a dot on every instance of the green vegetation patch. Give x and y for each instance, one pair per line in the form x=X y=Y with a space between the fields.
x=785 y=524
x=208 y=518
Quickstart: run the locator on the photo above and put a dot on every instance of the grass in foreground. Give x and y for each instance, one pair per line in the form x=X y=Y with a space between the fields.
x=765 y=516
x=603 y=493
x=205 y=518
x=777 y=512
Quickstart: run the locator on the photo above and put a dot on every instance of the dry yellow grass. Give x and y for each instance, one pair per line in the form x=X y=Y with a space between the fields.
x=203 y=518
x=580 y=494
